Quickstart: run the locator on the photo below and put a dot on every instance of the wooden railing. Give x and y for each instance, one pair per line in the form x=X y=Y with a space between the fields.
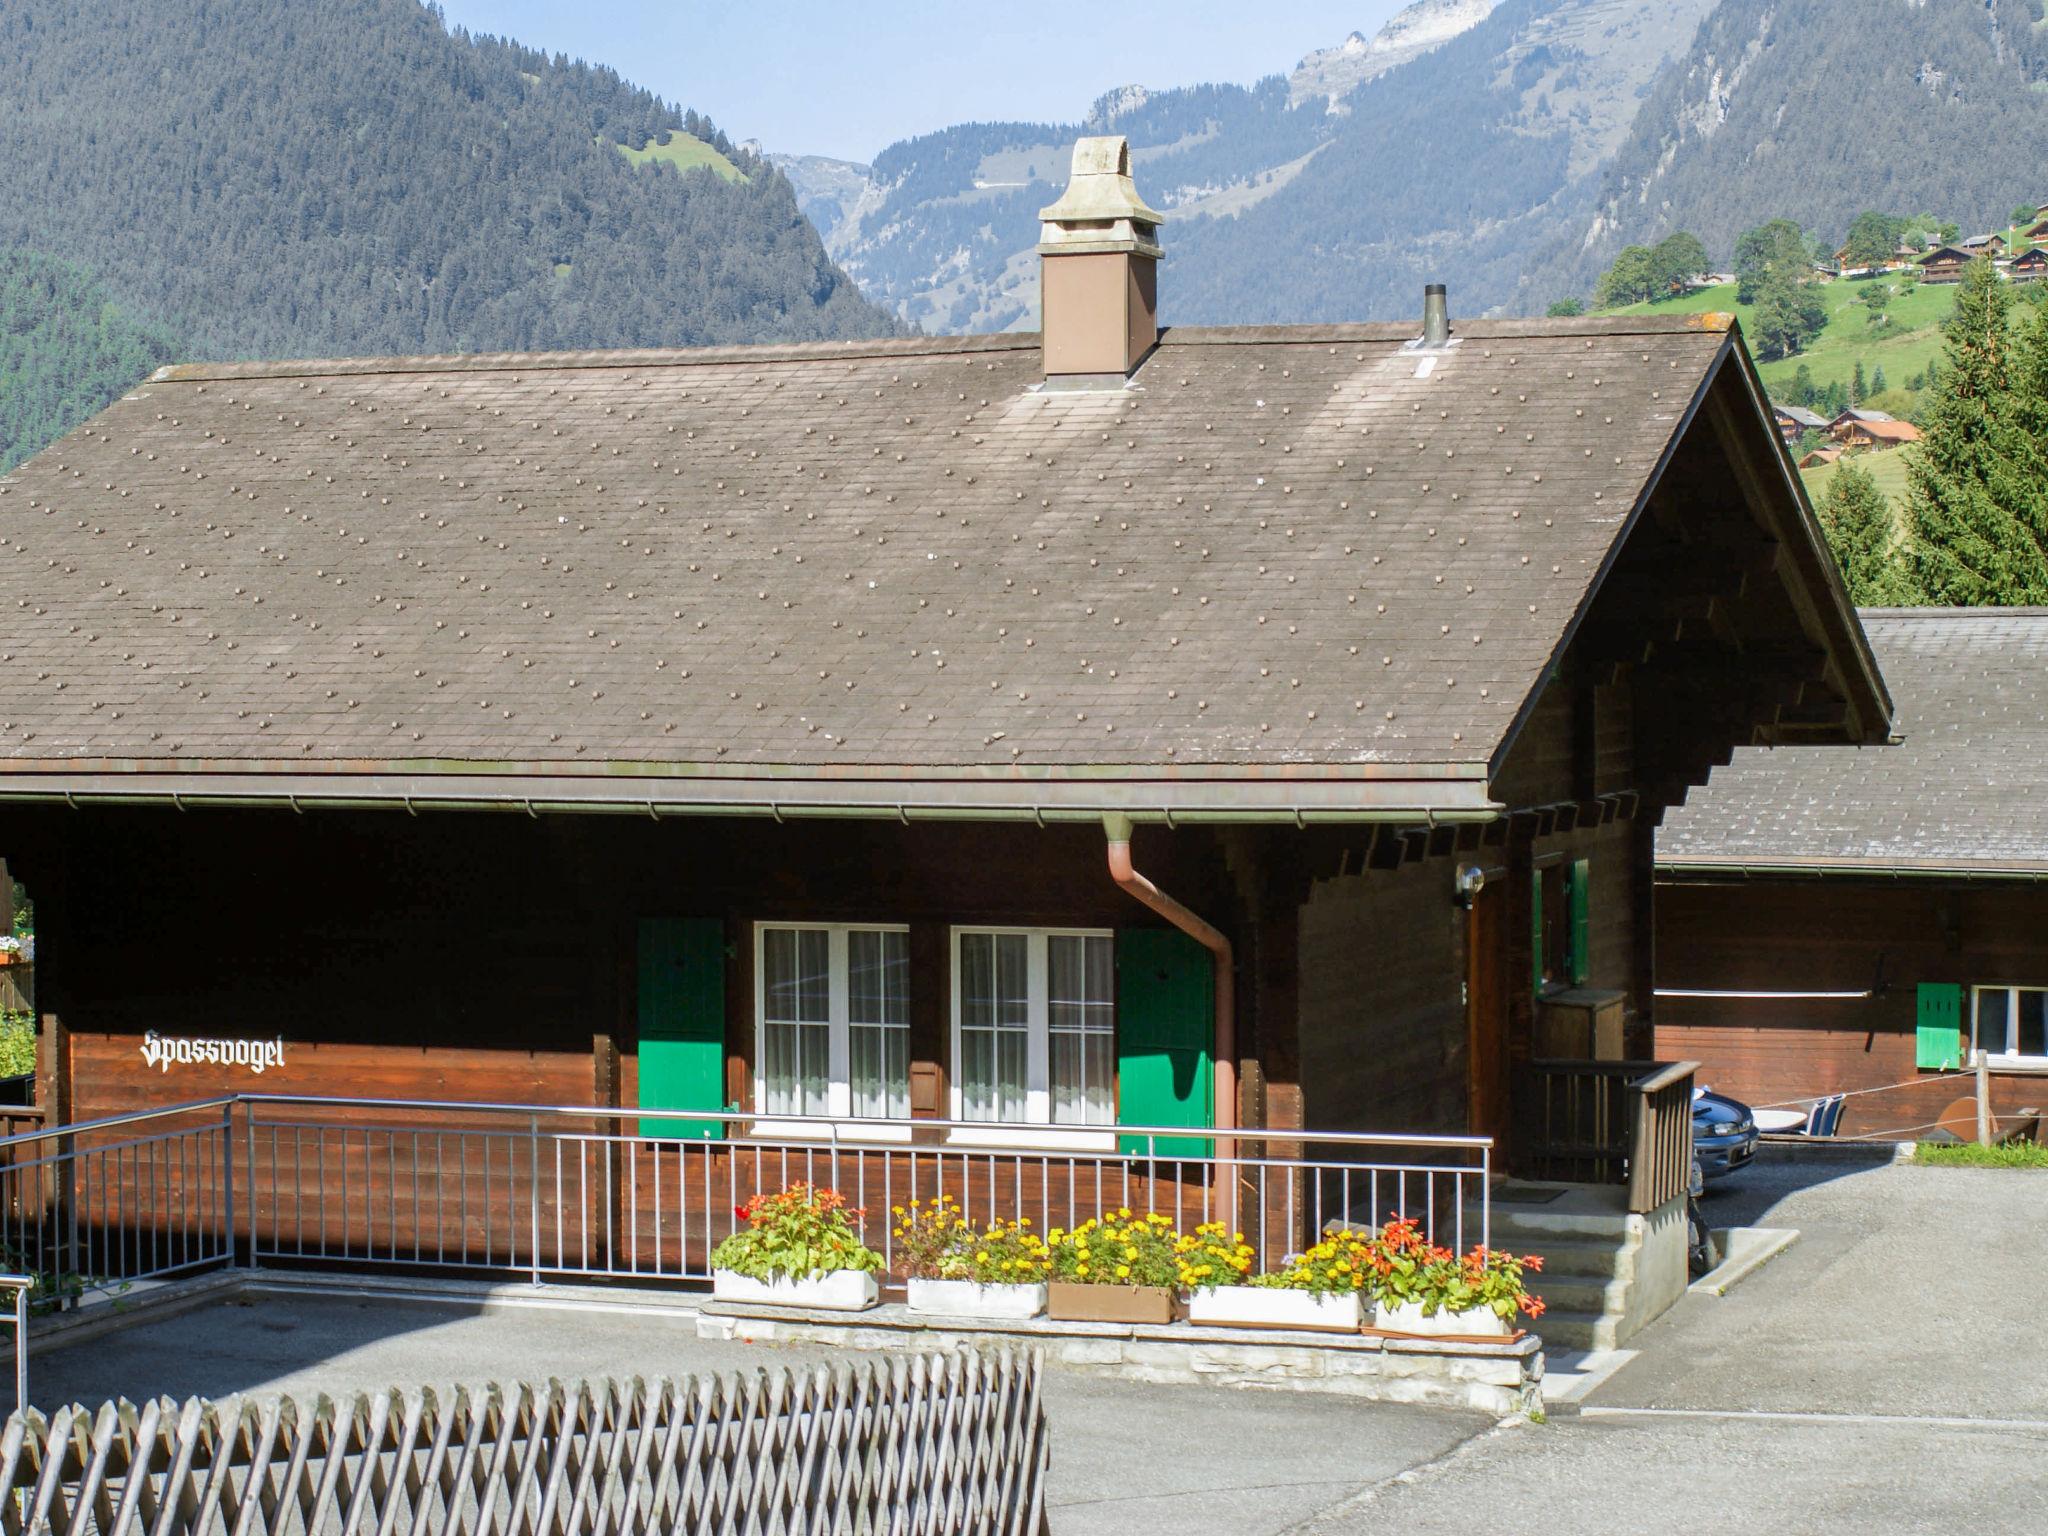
x=1660 y=1152
x=943 y=1443
x=1609 y=1122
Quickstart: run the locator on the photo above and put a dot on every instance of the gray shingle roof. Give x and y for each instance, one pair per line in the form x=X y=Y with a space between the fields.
x=1288 y=552
x=1966 y=788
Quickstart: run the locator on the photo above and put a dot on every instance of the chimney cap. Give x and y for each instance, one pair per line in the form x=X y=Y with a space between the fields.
x=1101 y=209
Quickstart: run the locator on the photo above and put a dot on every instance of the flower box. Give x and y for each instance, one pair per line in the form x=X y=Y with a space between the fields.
x=836 y=1290
x=970 y=1298
x=1259 y=1306
x=1072 y=1302
x=1479 y=1323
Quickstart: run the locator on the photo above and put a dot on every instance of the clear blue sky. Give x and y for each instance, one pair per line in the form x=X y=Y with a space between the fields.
x=837 y=78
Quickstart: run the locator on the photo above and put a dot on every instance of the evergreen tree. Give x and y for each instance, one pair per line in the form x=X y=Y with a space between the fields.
x=1877 y=382
x=1857 y=391
x=1977 y=484
x=1862 y=534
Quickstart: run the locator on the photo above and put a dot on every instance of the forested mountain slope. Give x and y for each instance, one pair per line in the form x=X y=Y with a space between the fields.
x=346 y=176
x=1816 y=109
x=65 y=351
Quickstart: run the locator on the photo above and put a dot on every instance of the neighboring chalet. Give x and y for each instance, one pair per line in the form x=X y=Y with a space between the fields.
x=1878 y=435
x=2028 y=266
x=1853 y=415
x=1795 y=421
x=790 y=731
x=1945 y=264
x=1820 y=456
x=1983 y=245
x=1841 y=922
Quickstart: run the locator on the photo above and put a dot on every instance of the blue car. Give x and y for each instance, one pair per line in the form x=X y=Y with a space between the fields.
x=1724 y=1133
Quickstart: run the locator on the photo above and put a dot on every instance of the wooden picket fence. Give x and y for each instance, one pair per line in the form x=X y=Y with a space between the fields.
x=896 y=1446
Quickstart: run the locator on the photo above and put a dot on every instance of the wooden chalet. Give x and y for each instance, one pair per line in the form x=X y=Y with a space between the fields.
x=811 y=731
x=1877 y=435
x=1795 y=421
x=1945 y=264
x=2028 y=266
x=1869 y=923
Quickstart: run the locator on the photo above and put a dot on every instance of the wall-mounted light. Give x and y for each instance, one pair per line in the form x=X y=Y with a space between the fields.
x=1471 y=881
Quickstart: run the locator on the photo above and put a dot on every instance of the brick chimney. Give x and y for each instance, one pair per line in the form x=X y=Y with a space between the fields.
x=1098 y=283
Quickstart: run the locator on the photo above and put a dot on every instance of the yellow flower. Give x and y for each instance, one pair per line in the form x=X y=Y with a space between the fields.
x=1081 y=1269
x=1123 y=1271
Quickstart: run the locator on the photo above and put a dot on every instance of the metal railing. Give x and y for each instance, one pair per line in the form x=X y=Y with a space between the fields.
x=556 y=1192
x=19 y=1288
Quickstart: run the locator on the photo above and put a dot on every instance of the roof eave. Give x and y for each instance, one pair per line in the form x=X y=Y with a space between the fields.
x=1733 y=868
x=1426 y=796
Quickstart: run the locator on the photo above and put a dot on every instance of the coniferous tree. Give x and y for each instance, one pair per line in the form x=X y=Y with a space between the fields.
x=1977 y=484
x=1857 y=391
x=1863 y=535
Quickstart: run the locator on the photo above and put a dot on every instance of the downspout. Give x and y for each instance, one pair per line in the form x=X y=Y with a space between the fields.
x=1224 y=1032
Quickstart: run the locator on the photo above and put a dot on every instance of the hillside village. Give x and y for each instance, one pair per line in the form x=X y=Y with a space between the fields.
x=1848 y=334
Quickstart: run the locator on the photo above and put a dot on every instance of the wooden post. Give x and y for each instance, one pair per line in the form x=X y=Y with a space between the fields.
x=1983 y=1102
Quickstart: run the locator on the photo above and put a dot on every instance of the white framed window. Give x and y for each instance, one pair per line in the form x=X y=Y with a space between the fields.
x=832 y=1020
x=1034 y=1026
x=2010 y=1022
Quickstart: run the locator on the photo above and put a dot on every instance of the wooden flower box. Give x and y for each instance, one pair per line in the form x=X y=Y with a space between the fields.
x=1067 y=1301
x=837 y=1290
x=1258 y=1306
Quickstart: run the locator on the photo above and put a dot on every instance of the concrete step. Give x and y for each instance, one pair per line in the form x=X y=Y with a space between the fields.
x=1527 y=1222
x=1563 y=1255
x=1591 y=1294
x=1562 y=1328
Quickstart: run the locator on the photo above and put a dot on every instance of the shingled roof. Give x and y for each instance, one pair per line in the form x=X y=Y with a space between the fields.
x=1967 y=789
x=1310 y=563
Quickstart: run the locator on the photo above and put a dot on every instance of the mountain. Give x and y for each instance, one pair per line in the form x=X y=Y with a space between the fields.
x=1447 y=146
x=1334 y=73
x=350 y=176
x=1818 y=109
x=65 y=351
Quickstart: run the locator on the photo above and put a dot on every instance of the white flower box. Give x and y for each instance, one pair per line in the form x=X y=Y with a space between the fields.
x=970 y=1298
x=1479 y=1323
x=1258 y=1306
x=835 y=1290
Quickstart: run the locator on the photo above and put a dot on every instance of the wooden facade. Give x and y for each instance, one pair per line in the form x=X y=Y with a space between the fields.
x=1867 y=945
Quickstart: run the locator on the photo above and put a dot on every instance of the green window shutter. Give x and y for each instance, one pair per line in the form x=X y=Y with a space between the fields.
x=1536 y=929
x=1165 y=1018
x=682 y=1022
x=1579 y=906
x=1938 y=1042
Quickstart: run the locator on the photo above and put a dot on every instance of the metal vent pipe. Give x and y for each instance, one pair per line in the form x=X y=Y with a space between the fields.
x=1436 y=316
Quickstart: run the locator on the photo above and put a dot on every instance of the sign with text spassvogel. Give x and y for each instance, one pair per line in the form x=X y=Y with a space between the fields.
x=164 y=1052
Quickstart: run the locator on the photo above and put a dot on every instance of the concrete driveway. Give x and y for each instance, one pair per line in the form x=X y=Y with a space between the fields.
x=1127 y=1456
x=1888 y=1373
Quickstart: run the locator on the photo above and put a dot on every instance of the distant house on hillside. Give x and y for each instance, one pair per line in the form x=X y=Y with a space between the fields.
x=1978 y=245
x=1856 y=413
x=1820 y=456
x=2028 y=266
x=1795 y=421
x=1877 y=435
x=1944 y=264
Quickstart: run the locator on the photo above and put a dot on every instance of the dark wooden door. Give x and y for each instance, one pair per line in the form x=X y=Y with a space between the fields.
x=1486 y=983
